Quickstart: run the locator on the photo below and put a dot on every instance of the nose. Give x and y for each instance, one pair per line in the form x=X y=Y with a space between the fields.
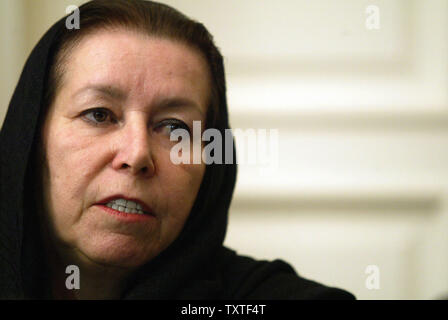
x=133 y=153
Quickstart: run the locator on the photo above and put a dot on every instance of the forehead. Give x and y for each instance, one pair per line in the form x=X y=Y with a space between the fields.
x=142 y=66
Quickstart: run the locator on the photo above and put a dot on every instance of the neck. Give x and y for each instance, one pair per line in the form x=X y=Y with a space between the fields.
x=86 y=281
x=74 y=276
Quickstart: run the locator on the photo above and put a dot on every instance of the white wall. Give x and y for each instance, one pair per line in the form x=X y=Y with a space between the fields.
x=22 y=24
x=363 y=123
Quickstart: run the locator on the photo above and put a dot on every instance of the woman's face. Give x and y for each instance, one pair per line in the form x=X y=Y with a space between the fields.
x=106 y=139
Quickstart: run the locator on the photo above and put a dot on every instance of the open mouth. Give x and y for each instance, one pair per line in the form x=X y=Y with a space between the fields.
x=126 y=206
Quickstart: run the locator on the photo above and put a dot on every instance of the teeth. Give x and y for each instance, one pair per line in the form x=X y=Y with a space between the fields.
x=131 y=205
x=120 y=202
x=123 y=205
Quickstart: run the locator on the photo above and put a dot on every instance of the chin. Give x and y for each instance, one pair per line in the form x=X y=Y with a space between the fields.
x=120 y=253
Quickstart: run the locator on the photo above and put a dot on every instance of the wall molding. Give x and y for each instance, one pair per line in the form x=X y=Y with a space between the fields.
x=377 y=200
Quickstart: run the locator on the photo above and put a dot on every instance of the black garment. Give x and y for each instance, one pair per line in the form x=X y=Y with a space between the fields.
x=195 y=266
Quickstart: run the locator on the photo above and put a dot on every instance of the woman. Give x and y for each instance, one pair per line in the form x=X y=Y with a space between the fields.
x=86 y=175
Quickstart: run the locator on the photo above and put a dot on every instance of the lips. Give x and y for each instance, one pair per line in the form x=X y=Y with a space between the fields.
x=146 y=208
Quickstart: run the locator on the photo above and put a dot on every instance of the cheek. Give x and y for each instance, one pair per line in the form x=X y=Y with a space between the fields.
x=73 y=156
x=179 y=185
x=70 y=167
x=182 y=180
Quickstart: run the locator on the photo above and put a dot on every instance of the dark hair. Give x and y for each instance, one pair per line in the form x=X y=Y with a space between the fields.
x=147 y=17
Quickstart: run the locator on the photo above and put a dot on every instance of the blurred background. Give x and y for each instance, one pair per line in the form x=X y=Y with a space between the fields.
x=359 y=96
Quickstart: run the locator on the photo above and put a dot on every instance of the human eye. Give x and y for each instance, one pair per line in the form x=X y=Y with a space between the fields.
x=167 y=126
x=98 y=116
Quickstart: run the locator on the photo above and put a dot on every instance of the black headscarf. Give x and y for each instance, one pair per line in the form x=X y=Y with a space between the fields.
x=194 y=266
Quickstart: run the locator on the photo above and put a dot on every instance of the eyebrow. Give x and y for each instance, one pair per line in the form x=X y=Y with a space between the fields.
x=118 y=94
